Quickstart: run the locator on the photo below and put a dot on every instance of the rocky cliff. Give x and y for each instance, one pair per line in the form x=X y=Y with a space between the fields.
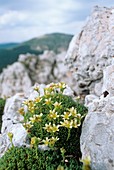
x=92 y=50
x=45 y=68
x=90 y=58
x=97 y=138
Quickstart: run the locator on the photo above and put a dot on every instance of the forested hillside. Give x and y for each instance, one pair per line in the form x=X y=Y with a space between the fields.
x=57 y=42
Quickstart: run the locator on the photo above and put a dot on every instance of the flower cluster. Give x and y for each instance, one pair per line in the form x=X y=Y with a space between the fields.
x=50 y=141
x=54 y=87
x=51 y=128
x=30 y=105
x=71 y=118
x=36 y=118
x=21 y=111
x=49 y=114
x=53 y=114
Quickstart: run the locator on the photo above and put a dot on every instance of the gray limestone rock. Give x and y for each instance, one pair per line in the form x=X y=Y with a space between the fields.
x=92 y=51
x=43 y=69
x=47 y=67
x=14 y=79
x=11 y=123
x=97 y=138
x=108 y=80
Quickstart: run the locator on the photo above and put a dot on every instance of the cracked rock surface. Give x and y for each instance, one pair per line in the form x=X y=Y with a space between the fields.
x=97 y=138
x=92 y=51
x=11 y=123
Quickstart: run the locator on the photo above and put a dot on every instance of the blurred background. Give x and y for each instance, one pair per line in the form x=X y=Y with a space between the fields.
x=23 y=20
x=36 y=34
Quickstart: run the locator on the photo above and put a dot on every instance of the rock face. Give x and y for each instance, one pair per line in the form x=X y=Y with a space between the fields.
x=43 y=69
x=46 y=68
x=90 y=58
x=92 y=51
x=14 y=79
x=11 y=123
x=97 y=138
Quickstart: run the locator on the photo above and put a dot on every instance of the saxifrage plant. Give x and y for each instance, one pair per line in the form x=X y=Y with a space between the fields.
x=53 y=120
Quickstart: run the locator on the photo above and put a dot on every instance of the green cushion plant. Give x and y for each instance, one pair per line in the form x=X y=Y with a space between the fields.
x=2 y=104
x=53 y=120
x=26 y=159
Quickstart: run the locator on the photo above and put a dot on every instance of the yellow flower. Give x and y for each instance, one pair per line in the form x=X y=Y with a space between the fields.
x=61 y=85
x=27 y=125
x=10 y=135
x=32 y=119
x=75 y=125
x=79 y=116
x=51 y=128
x=49 y=89
x=33 y=140
x=46 y=91
x=67 y=124
x=55 y=128
x=38 y=99
x=62 y=150
x=86 y=160
x=38 y=117
x=66 y=115
x=48 y=101
x=57 y=105
x=26 y=102
x=86 y=163
x=53 y=114
x=50 y=141
x=46 y=141
x=30 y=104
x=52 y=86
x=37 y=88
x=53 y=140
x=21 y=111
x=60 y=167
x=48 y=127
x=31 y=109
x=73 y=111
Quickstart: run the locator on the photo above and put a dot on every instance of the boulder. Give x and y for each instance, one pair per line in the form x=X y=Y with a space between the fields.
x=90 y=57
x=97 y=138
x=12 y=123
x=14 y=79
x=92 y=51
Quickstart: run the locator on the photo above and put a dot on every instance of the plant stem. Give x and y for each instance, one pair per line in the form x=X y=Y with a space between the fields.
x=68 y=134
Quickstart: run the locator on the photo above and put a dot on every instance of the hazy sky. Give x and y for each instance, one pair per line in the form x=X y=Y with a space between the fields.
x=24 y=19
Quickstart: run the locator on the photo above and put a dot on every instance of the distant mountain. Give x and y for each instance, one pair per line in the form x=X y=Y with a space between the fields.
x=57 y=42
x=8 y=45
